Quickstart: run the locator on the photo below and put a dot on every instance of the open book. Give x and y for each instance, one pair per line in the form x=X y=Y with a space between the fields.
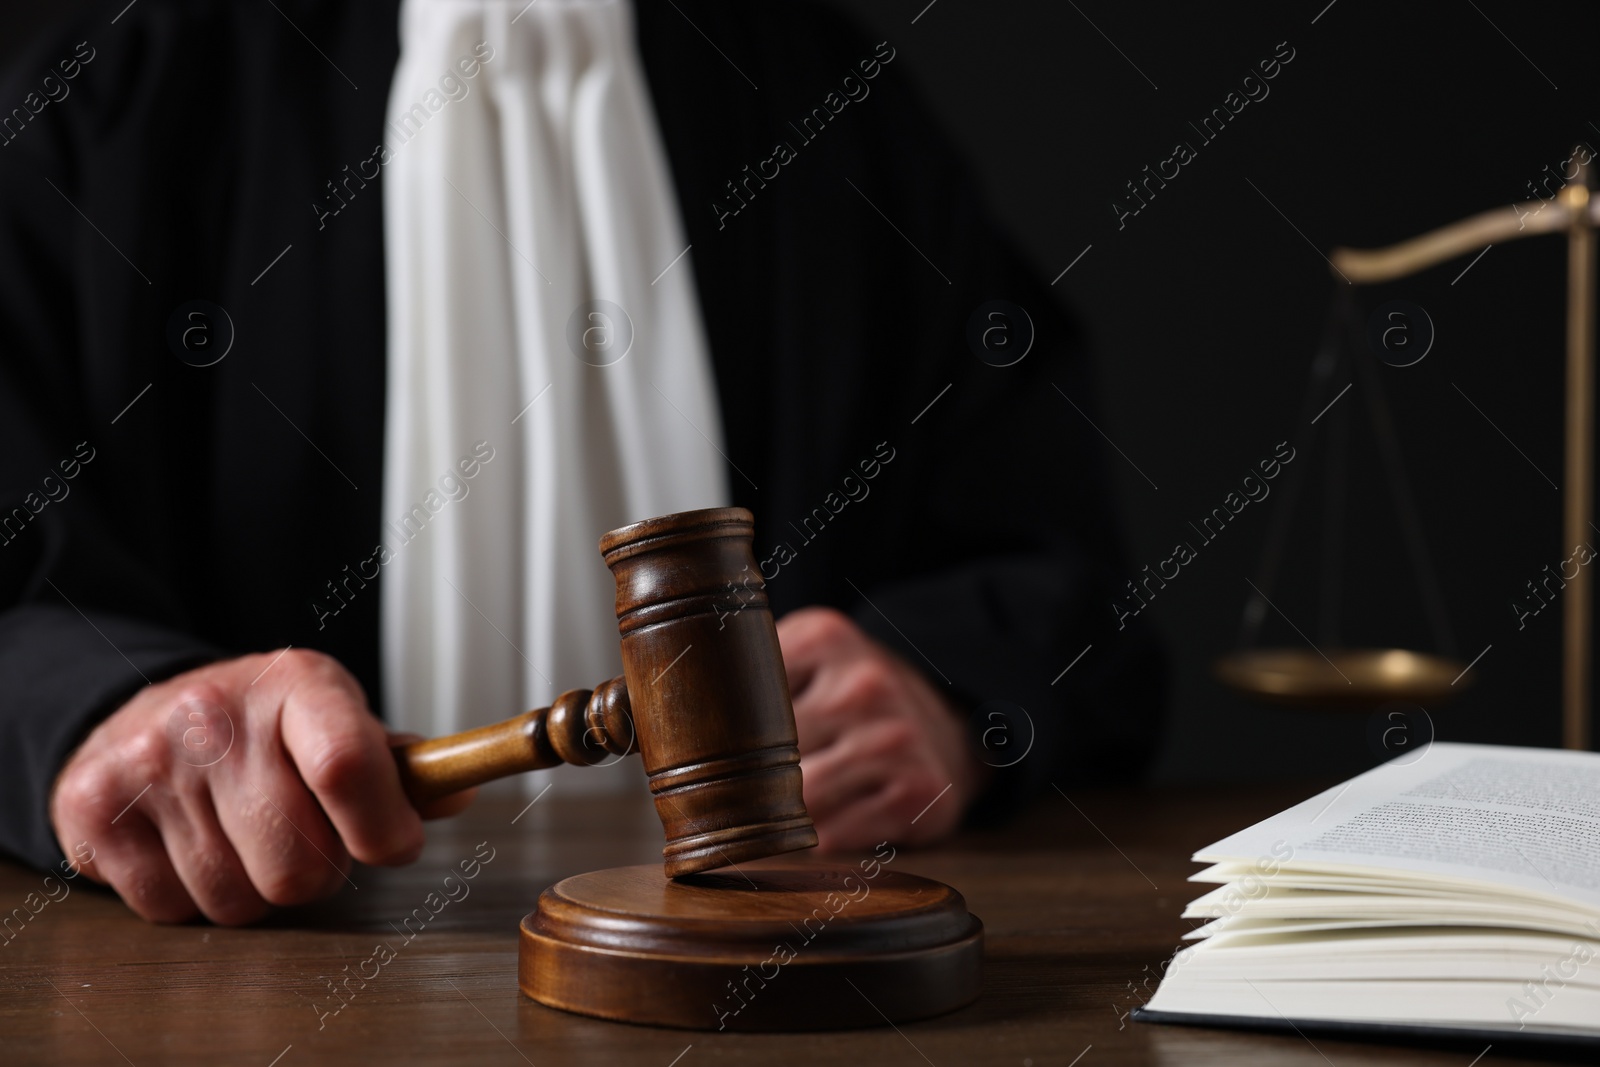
x=1453 y=891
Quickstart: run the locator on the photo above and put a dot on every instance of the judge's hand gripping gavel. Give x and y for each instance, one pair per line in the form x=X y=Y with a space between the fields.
x=253 y=782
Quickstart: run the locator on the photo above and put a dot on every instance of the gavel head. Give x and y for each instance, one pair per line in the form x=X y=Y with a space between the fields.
x=709 y=696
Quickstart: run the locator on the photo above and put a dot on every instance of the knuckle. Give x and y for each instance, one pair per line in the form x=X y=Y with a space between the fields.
x=817 y=627
x=340 y=759
x=89 y=791
x=153 y=897
x=894 y=737
x=200 y=690
x=308 y=663
x=145 y=753
x=870 y=687
x=289 y=883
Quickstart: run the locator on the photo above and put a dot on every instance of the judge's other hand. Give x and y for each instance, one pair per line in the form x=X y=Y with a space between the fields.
x=235 y=787
x=884 y=754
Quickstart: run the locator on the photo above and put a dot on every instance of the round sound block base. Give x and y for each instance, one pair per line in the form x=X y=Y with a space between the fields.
x=776 y=945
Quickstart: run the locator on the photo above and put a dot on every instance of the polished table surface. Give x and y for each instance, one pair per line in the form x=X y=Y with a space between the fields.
x=1080 y=897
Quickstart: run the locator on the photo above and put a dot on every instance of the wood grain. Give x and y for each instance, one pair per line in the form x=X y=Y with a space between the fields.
x=799 y=943
x=1074 y=927
x=704 y=697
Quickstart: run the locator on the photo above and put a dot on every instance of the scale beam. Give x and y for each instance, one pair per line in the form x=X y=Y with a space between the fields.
x=1573 y=212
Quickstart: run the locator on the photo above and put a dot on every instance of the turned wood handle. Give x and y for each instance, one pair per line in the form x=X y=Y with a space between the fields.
x=583 y=727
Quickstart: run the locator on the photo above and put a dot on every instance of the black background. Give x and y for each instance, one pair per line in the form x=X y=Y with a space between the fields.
x=1205 y=309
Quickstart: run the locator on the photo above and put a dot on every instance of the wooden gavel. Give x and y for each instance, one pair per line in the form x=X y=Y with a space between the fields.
x=703 y=696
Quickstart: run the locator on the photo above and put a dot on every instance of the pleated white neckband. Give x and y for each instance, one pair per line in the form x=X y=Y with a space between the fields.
x=548 y=374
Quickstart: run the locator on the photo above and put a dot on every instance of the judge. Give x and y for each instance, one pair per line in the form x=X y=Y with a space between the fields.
x=332 y=335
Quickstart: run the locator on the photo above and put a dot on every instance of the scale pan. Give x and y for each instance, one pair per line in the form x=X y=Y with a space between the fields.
x=1351 y=679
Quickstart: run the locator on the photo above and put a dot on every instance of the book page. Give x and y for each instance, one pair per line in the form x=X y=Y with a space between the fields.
x=1520 y=818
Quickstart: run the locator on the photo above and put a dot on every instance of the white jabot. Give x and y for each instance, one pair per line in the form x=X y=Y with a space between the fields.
x=537 y=304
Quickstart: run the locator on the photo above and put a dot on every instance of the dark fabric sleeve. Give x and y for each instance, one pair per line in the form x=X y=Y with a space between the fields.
x=61 y=673
x=85 y=620
x=841 y=251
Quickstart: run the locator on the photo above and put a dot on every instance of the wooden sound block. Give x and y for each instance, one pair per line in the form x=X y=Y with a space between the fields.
x=777 y=945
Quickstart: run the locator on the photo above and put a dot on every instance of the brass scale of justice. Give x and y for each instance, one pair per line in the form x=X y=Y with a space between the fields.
x=1357 y=678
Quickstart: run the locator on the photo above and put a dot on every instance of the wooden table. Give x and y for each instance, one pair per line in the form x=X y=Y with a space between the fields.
x=1080 y=897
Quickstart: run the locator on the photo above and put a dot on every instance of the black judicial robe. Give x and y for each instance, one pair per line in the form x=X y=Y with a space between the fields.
x=194 y=146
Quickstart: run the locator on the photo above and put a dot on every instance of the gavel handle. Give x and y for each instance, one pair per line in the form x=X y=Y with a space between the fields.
x=583 y=727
